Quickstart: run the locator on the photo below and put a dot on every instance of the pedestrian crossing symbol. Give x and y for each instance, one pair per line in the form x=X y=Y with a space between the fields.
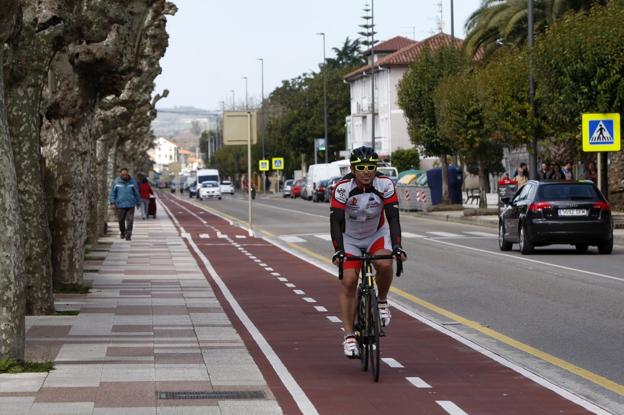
x=601 y=132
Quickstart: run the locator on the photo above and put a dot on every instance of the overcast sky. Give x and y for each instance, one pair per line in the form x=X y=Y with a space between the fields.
x=214 y=43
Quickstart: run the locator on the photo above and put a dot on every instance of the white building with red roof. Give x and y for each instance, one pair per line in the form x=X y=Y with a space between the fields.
x=392 y=59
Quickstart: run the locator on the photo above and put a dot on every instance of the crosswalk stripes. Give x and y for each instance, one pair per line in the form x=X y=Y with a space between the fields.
x=483 y=234
x=302 y=238
x=444 y=234
x=292 y=239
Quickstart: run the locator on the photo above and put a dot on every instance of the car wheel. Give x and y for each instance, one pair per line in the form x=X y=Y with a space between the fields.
x=526 y=247
x=581 y=248
x=219 y=197
x=606 y=248
x=315 y=198
x=503 y=244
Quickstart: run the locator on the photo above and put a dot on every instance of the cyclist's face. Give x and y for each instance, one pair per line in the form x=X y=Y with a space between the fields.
x=364 y=173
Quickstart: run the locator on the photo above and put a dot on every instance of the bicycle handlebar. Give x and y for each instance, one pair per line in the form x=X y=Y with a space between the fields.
x=399 y=270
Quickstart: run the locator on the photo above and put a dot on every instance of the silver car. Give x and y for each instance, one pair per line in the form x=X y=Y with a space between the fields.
x=227 y=187
x=286 y=191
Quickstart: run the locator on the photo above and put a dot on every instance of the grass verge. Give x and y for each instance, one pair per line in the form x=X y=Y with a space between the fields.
x=15 y=366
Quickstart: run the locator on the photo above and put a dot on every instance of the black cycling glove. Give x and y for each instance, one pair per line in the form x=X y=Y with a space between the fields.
x=339 y=254
x=398 y=251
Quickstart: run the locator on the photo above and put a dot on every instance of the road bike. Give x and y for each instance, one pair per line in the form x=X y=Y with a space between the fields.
x=368 y=327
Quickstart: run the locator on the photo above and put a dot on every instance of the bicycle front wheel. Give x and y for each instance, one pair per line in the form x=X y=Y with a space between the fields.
x=362 y=319
x=374 y=329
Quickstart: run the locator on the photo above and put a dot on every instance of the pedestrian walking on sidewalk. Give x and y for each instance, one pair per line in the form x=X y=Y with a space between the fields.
x=124 y=196
x=145 y=191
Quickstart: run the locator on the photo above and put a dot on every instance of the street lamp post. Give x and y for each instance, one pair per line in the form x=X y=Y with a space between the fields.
x=262 y=103
x=233 y=100
x=533 y=150
x=246 y=94
x=323 y=69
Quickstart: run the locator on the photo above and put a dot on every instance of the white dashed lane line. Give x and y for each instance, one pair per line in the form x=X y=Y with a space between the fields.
x=299 y=292
x=275 y=274
x=269 y=269
x=290 y=284
x=451 y=408
x=333 y=319
x=418 y=382
x=320 y=309
x=391 y=362
x=309 y=300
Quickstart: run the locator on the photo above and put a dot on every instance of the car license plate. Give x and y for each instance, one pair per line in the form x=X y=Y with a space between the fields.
x=572 y=212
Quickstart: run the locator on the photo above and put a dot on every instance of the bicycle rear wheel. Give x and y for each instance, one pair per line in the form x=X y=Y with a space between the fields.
x=374 y=329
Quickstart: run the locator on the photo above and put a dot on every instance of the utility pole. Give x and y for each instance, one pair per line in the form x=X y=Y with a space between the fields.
x=453 y=22
x=533 y=150
x=233 y=100
x=323 y=69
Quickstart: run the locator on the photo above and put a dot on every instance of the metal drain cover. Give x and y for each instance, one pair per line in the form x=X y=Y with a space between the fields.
x=212 y=395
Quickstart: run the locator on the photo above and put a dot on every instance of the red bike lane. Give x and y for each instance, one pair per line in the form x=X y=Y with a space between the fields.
x=294 y=305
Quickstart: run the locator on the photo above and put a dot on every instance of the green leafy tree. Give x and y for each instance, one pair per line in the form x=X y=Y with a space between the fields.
x=405 y=159
x=415 y=95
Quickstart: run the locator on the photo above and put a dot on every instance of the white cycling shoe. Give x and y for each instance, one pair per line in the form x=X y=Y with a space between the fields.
x=384 y=313
x=351 y=349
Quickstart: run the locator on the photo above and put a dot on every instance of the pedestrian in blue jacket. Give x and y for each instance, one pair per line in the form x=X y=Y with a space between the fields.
x=125 y=197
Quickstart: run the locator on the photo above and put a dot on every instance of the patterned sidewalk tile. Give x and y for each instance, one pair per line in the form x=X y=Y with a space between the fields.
x=150 y=324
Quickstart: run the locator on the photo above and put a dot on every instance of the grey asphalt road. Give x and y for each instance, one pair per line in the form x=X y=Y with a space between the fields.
x=565 y=309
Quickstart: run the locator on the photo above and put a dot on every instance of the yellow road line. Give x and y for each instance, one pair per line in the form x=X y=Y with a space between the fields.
x=579 y=371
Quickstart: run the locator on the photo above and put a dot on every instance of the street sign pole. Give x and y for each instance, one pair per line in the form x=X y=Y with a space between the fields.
x=603 y=178
x=249 y=171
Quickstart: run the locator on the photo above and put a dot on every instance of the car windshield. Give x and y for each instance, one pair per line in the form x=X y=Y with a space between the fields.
x=572 y=191
x=226 y=183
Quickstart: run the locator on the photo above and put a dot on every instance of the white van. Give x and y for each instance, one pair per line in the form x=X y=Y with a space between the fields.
x=316 y=173
x=208 y=175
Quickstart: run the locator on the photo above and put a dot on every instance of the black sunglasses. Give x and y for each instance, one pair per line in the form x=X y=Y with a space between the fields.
x=362 y=167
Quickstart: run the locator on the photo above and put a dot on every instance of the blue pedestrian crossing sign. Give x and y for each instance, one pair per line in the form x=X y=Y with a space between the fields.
x=601 y=132
x=278 y=163
x=263 y=165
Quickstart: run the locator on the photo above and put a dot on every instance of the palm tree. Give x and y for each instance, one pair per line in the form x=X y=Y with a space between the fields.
x=500 y=22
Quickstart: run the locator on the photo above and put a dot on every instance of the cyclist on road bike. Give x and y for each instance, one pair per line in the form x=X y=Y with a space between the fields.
x=364 y=215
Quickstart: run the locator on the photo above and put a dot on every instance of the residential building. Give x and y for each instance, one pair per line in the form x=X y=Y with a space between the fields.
x=392 y=60
x=164 y=153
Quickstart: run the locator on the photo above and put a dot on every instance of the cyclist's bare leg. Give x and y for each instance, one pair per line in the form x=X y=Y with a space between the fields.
x=347 y=298
x=384 y=274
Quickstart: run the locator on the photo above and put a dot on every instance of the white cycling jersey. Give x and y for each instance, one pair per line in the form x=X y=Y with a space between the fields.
x=363 y=207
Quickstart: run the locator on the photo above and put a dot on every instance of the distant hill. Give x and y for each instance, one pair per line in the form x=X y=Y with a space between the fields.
x=183 y=122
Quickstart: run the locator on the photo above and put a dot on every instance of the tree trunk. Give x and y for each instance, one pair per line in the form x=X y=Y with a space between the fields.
x=12 y=284
x=482 y=183
x=31 y=53
x=72 y=189
x=445 y=188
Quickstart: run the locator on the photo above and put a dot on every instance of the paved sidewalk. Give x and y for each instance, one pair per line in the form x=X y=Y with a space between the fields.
x=151 y=325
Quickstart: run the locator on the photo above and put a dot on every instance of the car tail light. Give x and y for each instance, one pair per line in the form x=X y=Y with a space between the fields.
x=602 y=206
x=539 y=206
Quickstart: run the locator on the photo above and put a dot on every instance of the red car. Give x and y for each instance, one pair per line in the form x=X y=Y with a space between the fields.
x=295 y=190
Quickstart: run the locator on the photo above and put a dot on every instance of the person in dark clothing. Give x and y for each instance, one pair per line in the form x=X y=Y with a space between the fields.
x=124 y=196
x=545 y=173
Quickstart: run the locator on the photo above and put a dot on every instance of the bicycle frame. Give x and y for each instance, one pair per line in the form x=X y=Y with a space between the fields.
x=368 y=324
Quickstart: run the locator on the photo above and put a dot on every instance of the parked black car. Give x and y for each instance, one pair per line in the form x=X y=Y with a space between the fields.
x=556 y=212
x=319 y=191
